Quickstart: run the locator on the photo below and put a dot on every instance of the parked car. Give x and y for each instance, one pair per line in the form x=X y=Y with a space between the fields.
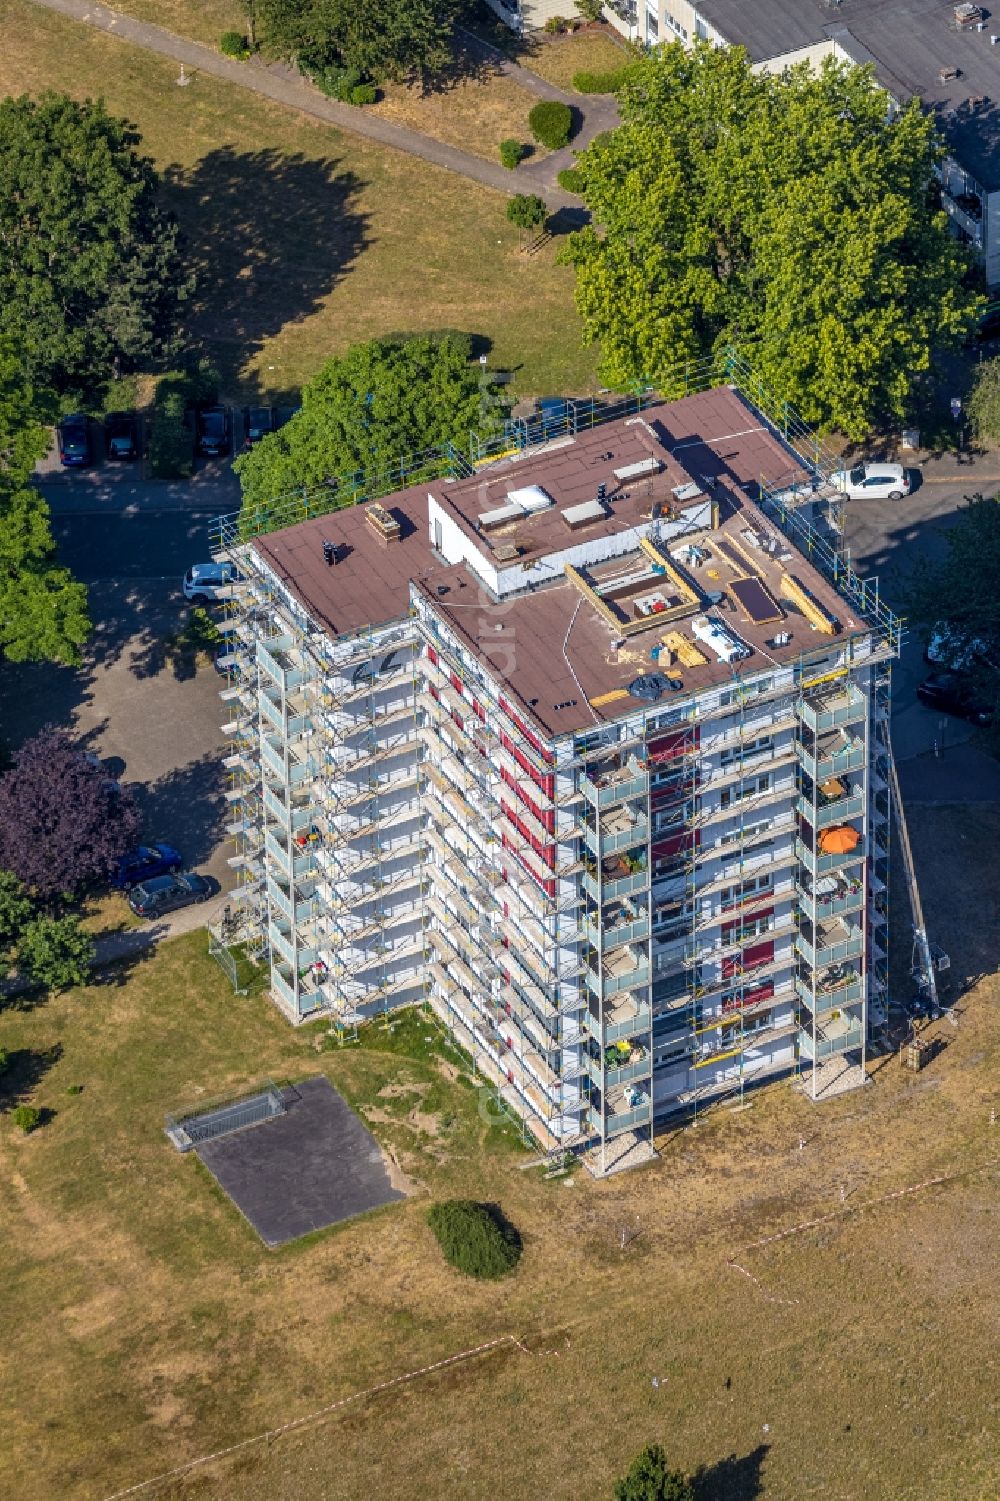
x=943 y=650
x=142 y=864
x=257 y=423
x=213 y=431
x=74 y=441
x=952 y=694
x=205 y=582
x=121 y=436
x=162 y=894
x=872 y=482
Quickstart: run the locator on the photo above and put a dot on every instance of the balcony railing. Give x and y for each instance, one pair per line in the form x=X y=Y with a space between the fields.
x=821 y=764
x=833 y=951
x=831 y=711
x=616 y=789
x=826 y=1047
x=825 y=1001
x=823 y=814
x=819 y=863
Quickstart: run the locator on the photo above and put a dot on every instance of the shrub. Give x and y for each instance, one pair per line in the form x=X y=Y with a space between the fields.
x=55 y=952
x=526 y=210
x=556 y=24
x=171 y=442
x=598 y=83
x=570 y=179
x=650 y=1479
x=475 y=1238
x=550 y=122
x=27 y=1117
x=234 y=44
x=364 y=93
x=75 y=1089
x=590 y=10
x=346 y=84
x=511 y=152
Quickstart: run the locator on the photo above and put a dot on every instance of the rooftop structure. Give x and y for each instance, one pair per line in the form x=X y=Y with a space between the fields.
x=583 y=748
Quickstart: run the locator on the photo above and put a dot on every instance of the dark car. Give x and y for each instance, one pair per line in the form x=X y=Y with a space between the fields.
x=166 y=893
x=257 y=423
x=952 y=694
x=213 y=432
x=144 y=863
x=74 y=441
x=121 y=436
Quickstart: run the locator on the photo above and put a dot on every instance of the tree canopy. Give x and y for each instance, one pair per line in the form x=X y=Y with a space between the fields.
x=368 y=410
x=43 y=610
x=90 y=269
x=649 y=1478
x=792 y=217
x=391 y=39
x=63 y=821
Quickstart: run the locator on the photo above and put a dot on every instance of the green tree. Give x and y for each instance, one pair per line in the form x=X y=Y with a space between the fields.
x=26 y=1118
x=983 y=405
x=526 y=210
x=366 y=411
x=590 y=10
x=393 y=39
x=475 y=1238
x=15 y=909
x=789 y=216
x=90 y=271
x=55 y=952
x=650 y=1479
x=43 y=610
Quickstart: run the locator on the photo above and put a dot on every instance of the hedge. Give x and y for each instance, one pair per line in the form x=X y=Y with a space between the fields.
x=551 y=122
x=475 y=1238
x=171 y=443
x=599 y=83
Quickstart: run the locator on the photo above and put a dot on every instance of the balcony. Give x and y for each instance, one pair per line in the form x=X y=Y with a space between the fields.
x=837 y=1036
x=962 y=210
x=832 y=941
x=605 y=789
x=819 y=863
x=626 y=1020
x=847 y=990
x=832 y=710
x=835 y=802
x=832 y=755
x=278 y=665
x=830 y=897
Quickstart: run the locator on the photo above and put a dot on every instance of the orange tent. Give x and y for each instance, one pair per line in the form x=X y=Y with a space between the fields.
x=839 y=841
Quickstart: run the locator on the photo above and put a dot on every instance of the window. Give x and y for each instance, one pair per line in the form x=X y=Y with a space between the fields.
x=753 y=886
x=745 y=832
x=744 y=790
x=746 y=752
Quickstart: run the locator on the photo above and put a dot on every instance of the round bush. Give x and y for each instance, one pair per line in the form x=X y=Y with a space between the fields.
x=475 y=1238
x=556 y=24
x=527 y=210
x=27 y=1117
x=234 y=44
x=364 y=93
x=550 y=122
x=570 y=179
x=511 y=152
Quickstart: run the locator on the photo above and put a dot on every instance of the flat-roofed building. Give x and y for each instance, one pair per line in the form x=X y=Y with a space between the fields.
x=589 y=749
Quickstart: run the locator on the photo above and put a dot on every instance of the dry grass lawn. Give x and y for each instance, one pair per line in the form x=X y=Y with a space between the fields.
x=308 y=240
x=558 y=58
x=472 y=112
x=204 y=21
x=144 y=1324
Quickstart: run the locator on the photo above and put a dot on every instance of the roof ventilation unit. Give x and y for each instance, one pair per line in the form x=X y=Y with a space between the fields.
x=640 y=470
x=384 y=523
x=490 y=520
x=586 y=514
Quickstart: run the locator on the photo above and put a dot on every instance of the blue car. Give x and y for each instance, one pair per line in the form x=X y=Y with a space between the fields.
x=144 y=863
x=74 y=441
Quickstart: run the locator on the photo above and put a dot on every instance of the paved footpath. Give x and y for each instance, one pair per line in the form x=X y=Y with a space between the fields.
x=285 y=86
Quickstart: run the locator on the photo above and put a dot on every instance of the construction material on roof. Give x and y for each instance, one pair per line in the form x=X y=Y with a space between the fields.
x=719 y=639
x=584 y=515
x=684 y=650
x=385 y=524
x=530 y=498
x=608 y=698
x=755 y=600
x=687 y=492
x=819 y=618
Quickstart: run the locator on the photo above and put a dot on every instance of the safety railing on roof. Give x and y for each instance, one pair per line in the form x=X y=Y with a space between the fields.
x=560 y=419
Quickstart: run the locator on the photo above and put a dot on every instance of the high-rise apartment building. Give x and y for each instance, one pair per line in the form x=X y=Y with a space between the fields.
x=589 y=749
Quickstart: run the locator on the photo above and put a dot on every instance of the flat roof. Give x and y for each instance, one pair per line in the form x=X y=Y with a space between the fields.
x=909 y=42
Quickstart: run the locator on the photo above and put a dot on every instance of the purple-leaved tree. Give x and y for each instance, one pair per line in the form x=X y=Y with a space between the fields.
x=63 y=821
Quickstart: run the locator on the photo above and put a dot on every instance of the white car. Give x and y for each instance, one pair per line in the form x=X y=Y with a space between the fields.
x=205 y=582
x=872 y=482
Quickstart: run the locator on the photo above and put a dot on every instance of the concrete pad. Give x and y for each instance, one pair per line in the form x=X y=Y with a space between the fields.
x=312 y=1167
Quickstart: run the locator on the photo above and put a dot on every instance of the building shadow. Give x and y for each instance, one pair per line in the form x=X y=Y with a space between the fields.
x=187 y=805
x=268 y=235
x=735 y=1478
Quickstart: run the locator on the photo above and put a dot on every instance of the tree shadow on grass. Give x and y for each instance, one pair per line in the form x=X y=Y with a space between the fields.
x=269 y=235
x=733 y=1478
x=26 y=1068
